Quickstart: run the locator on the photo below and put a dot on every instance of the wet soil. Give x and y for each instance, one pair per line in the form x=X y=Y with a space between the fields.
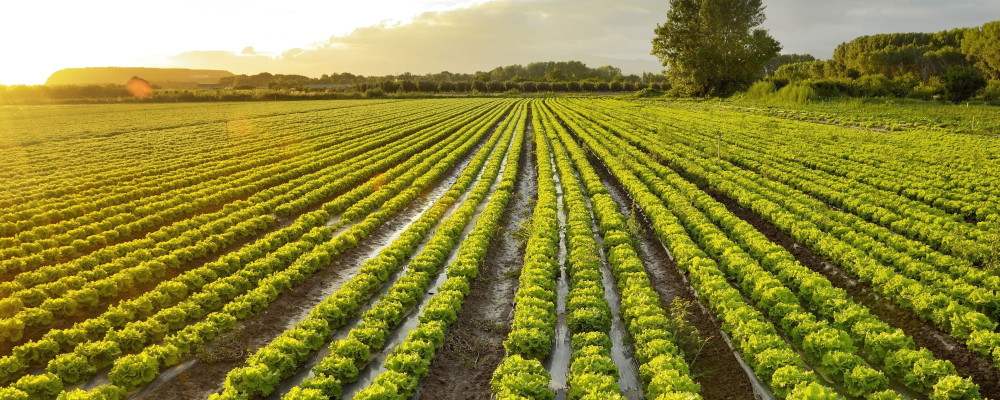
x=925 y=334
x=473 y=347
x=557 y=363
x=139 y=288
x=204 y=375
x=622 y=349
x=717 y=367
x=376 y=363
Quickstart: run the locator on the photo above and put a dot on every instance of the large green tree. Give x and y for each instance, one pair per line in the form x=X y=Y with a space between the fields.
x=714 y=46
x=982 y=46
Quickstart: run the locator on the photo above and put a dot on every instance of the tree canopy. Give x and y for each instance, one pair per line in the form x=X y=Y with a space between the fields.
x=713 y=46
x=785 y=59
x=897 y=54
x=982 y=45
x=903 y=55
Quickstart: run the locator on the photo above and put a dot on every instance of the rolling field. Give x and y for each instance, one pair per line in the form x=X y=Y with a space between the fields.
x=570 y=248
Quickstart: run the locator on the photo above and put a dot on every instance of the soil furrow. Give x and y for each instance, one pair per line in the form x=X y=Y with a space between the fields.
x=473 y=347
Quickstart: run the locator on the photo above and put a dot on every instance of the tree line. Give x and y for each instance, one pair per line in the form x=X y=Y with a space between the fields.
x=549 y=76
x=718 y=47
x=955 y=63
x=553 y=73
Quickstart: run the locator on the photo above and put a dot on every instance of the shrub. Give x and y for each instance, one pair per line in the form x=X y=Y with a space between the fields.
x=794 y=93
x=761 y=90
x=962 y=83
x=992 y=91
x=374 y=93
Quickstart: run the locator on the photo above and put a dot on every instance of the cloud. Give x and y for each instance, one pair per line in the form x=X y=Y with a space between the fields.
x=479 y=37
x=596 y=32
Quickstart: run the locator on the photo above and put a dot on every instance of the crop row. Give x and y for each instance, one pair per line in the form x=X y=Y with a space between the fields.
x=521 y=373
x=828 y=345
x=283 y=356
x=662 y=368
x=265 y=278
x=106 y=174
x=409 y=361
x=865 y=257
x=118 y=222
x=121 y=279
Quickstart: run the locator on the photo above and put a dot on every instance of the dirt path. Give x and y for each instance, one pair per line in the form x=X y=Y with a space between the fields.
x=473 y=347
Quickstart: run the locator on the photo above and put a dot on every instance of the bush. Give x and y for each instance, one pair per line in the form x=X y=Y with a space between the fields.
x=761 y=90
x=374 y=93
x=794 y=93
x=874 y=86
x=649 y=92
x=992 y=91
x=928 y=91
x=962 y=83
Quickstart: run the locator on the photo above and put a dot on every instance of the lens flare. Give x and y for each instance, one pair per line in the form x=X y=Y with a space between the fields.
x=377 y=182
x=138 y=87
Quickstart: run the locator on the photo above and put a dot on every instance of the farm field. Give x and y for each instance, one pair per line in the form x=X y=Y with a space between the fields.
x=540 y=248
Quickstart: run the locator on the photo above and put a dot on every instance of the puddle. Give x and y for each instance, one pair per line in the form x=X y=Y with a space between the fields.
x=557 y=363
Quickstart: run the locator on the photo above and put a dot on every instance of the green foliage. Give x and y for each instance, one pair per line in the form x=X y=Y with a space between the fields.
x=982 y=46
x=517 y=377
x=895 y=54
x=648 y=93
x=713 y=47
x=784 y=59
x=71 y=368
x=962 y=83
x=863 y=380
x=954 y=387
x=38 y=387
x=812 y=391
x=374 y=93
x=134 y=370
x=792 y=94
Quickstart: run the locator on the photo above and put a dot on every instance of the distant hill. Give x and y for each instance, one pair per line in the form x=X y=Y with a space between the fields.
x=167 y=78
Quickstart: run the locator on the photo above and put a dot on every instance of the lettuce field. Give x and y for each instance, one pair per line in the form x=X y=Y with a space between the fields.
x=499 y=248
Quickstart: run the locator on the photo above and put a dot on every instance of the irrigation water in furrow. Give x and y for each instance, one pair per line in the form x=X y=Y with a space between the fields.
x=558 y=361
x=376 y=364
x=202 y=379
x=305 y=371
x=719 y=368
x=473 y=348
x=622 y=352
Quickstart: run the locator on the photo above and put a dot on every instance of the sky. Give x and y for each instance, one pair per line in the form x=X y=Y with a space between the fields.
x=377 y=37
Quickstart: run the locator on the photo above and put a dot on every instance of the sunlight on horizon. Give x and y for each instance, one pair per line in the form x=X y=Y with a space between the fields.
x=131 y=34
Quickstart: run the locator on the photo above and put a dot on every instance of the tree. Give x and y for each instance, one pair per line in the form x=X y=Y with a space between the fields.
x=962 y=82
x=713 y=46
x=982 y=46
x=785 y=59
